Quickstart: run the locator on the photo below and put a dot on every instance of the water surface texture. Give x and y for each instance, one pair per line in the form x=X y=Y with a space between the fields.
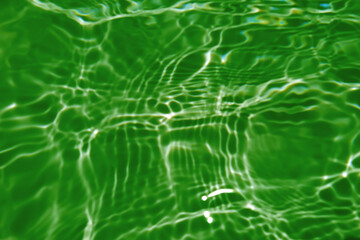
x=161 y=119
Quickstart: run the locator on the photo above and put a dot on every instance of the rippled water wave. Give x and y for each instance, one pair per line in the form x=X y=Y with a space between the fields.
x=179 y=119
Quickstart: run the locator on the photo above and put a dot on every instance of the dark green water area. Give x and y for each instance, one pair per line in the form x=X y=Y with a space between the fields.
x=180 y=120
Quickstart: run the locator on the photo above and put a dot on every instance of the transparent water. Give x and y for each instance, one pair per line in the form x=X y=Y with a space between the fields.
x=179 y=119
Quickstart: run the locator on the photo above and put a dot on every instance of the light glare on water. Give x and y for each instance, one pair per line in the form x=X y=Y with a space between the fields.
x=180 y=119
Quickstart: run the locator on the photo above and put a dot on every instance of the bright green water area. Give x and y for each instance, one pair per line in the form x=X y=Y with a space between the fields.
x=181 y=120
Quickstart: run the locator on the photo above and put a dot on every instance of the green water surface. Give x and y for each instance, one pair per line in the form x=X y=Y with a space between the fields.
x=162 y=119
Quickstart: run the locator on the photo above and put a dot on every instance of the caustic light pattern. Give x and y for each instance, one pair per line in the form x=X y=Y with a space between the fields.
x=162 y=119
